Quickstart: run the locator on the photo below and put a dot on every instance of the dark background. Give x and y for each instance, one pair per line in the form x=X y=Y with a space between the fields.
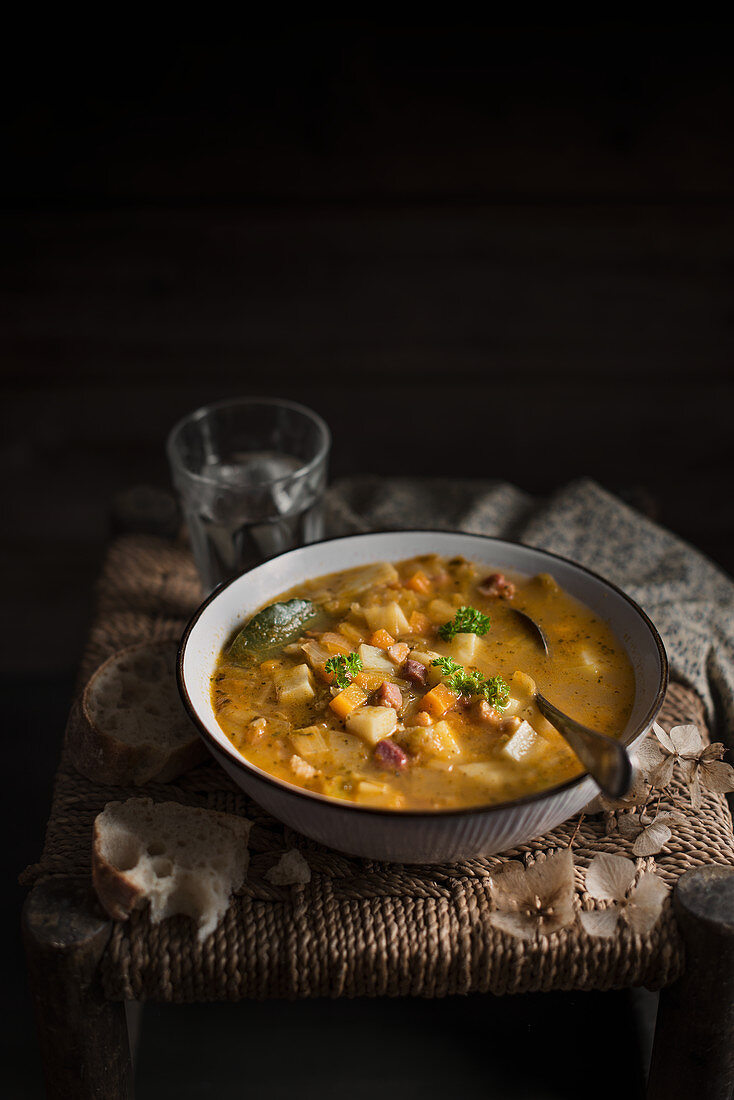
x=499 y=251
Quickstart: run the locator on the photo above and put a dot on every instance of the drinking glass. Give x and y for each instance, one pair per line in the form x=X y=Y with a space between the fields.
x=250 y=474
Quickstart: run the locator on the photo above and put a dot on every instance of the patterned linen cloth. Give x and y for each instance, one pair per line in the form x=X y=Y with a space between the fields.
x=690 y=600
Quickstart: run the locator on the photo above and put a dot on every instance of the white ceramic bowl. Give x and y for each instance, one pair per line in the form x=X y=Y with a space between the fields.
x=408 y=836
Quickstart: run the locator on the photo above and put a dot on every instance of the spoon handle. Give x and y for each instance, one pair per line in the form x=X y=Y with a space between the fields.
x=606 y=760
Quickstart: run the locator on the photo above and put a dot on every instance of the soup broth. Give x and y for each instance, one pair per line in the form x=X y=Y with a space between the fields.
x=409 y=685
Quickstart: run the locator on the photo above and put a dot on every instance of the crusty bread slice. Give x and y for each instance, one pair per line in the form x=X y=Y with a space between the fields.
x=129 y=726
x=177 y=858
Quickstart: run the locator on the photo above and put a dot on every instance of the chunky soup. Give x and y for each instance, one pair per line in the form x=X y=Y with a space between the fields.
x=410 y=685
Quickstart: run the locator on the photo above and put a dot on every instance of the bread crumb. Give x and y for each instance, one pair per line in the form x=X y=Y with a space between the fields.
x=290 y=869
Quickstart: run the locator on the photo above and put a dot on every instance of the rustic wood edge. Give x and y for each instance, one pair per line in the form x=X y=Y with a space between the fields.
x=693 y=1049
x=83 y=1037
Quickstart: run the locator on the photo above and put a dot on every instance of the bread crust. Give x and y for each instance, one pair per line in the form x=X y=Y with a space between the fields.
x=103 y=758
x=118 y=896
x=124 y=871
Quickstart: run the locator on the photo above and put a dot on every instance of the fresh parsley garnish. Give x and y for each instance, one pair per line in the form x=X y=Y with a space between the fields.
x=467 y=620
x=494 y=689
x=344 y=669
x=449 y=667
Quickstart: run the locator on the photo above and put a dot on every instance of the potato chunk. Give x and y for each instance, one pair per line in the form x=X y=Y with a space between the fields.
x=389 y=617
x=317 y=655
x=436 y=741
x=372 y=723
x=440 y=611
x=309 y=741
x=485 y=772
x=374 y=659
x=588 y=663
x=378 y=794
x=352 y=633
x=294 y=685
x=522 y=704
x=522 y=742
x=465 y=648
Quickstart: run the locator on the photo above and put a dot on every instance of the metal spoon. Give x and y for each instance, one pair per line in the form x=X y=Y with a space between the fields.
x=606 y=759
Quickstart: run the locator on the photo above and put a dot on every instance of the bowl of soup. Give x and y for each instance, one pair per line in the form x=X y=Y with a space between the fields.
x=375 y=692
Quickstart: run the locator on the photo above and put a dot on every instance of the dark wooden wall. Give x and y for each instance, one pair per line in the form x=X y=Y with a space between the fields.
x=483 y=250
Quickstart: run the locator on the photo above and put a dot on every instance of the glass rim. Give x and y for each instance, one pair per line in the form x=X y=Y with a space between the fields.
x=293 y=406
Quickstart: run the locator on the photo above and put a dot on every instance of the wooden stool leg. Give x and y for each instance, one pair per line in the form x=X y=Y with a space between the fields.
x=83 y=1037
x=693 y=1051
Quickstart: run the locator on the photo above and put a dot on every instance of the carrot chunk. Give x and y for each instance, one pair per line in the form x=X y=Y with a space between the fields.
x=419 y=582
x=381 y=639
x=398 y=652
x=420 y=624
x=369 y=681
x=348 y=700
x=438 y=700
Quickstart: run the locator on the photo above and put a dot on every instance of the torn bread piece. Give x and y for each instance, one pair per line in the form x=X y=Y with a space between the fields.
x=129 y=726
x=177 y=858
x=290 y=870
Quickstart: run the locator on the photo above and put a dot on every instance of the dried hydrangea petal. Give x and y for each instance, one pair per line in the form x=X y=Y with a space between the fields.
x=515 y=924
x=509 y=889
x=694 y=788
x=663 y=737
x=641 y=921
x=651 y=840
x=503 y=868
x=630 y=825
x=717 y=776
x=687 y=740
x=689 y=769
x=609 y=877
x=638 y=792
x=555 y=873
x=646 y=903
x=650 y=891
x=536 y=901
x=656 y=833
x=661 y=776
x=601 y=923
x=649 y=755
x=671 y=817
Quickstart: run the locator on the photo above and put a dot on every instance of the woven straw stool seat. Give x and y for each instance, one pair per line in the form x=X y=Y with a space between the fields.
x=358 y=927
